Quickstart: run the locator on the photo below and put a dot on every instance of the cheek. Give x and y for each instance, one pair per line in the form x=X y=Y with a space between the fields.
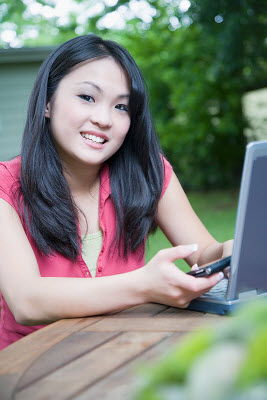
x=125 y=125
x=65 y=116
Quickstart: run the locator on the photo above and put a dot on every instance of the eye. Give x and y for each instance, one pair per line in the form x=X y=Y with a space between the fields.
x=86 y=97
x=122 y=107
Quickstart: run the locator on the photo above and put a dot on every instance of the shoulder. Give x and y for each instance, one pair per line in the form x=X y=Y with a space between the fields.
x=9 y=178
x=10 y=168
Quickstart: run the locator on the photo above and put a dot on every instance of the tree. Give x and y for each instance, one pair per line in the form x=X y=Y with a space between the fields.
x=197 y=75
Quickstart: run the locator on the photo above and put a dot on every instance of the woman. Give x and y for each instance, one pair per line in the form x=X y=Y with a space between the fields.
x=90 y=185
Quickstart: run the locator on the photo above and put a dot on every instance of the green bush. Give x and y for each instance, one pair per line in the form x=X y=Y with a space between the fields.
x=221 y=363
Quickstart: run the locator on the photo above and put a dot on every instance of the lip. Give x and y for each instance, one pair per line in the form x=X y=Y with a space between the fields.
x=94 y=145
x=98 y=134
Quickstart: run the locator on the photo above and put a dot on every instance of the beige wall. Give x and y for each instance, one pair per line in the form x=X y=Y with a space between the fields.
x=255 y=109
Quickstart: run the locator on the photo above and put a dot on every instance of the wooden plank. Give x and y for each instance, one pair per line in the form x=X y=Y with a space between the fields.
x=66 y=382
x=122 y=383
x=62 y=353
x=143 y=310
x=36 y=355
x=20 y=354
x=16 y=358
x=173 y=312
x=157 y=324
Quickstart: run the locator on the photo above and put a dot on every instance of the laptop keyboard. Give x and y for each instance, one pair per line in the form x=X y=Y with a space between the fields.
x=218 y=290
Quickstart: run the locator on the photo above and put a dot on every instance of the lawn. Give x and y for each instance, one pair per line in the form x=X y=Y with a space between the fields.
x=216 y=209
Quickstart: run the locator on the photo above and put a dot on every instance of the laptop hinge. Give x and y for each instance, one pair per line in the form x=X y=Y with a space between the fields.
x=248 y=294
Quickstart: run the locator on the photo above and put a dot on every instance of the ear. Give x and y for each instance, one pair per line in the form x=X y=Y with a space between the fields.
x=47 y=110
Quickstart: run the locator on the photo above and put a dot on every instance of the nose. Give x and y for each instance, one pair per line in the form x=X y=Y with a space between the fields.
x=101 y=116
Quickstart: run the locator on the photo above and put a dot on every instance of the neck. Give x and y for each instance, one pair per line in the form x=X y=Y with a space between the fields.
x=82 y=179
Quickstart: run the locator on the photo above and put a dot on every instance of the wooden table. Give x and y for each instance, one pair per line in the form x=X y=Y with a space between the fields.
x=95 y=357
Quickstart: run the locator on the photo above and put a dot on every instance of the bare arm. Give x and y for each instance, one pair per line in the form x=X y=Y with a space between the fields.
x=181 y=225
x=36 y=300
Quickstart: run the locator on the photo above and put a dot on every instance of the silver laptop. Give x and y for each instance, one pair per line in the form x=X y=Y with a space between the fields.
x=248 y=269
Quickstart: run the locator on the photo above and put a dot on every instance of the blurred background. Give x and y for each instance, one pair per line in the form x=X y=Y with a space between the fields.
x=205 y=65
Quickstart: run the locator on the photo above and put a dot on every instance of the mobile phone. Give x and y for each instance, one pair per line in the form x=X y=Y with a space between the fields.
x=211 y=268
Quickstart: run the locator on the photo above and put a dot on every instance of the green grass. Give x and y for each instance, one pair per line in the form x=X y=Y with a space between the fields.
x=217 y=211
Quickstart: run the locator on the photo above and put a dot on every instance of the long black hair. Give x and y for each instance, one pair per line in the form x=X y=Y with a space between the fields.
x=136 y=169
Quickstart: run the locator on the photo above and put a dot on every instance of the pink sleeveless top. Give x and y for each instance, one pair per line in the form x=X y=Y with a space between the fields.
x=59 y=266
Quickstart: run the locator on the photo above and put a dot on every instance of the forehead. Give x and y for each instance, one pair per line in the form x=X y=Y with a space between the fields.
x=104 y=72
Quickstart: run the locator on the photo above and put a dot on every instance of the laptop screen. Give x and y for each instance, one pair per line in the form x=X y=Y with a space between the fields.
x=252 y=271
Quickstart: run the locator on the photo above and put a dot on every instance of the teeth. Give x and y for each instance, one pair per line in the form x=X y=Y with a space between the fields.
x=94 y=138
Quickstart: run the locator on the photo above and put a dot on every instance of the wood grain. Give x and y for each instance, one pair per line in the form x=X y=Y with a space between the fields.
x=26 y=350
x=157 y=324
x=144 y=310
x=91 y=358
x=122 y=383
x=63 y=353
x=91 y=367
x=17 y=358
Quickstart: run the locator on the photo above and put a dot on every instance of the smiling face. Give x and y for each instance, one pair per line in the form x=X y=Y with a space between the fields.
x=89 y=112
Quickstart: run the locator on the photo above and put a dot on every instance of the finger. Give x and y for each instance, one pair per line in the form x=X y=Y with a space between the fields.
x=226 y=272
x=195 y=267
x=174 y=253
x=205 y=290
x=198 y=285
x=209 y=282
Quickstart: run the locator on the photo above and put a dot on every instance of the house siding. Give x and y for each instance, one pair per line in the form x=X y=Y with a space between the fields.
x=18 y=70
x=16 y=84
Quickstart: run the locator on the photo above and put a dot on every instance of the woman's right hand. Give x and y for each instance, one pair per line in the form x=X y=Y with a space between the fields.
x=166 y=284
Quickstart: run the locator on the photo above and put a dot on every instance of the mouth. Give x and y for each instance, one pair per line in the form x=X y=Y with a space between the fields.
x=95 y=138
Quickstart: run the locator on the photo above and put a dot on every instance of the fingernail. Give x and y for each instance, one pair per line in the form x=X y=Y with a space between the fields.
x=221 y=275
x=195 y=266
x=192 y=247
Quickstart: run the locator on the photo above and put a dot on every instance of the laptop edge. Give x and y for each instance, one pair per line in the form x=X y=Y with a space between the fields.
x=233 y=299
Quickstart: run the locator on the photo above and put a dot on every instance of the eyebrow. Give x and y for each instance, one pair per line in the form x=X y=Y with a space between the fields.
x=121 y=96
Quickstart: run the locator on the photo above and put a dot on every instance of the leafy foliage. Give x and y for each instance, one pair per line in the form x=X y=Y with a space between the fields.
x=197 y=75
